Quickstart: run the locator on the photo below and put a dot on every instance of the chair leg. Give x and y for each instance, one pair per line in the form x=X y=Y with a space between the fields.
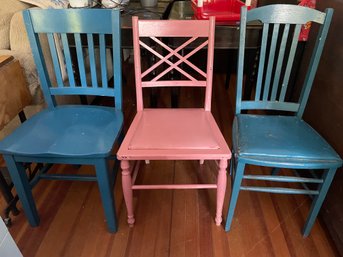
x=127 y=190
x=106 y=192
x=23 y=188
x=221 y=188
x=234 y=193
x=318 y=200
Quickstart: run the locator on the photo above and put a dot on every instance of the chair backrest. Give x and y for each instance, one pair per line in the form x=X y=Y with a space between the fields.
x=283 y=23
x=170 y=39
x=76 y=30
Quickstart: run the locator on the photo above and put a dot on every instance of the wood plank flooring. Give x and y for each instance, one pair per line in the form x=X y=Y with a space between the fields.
x=177 y=223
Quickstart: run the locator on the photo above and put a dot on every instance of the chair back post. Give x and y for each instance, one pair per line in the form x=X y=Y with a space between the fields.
x=210 y=57
x=39 y=59
x=241 y=49
x=314 y=62
x=137 y=62
x=117 y=71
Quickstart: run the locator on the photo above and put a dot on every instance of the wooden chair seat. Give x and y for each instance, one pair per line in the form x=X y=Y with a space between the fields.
x=276 y=138
x=156 y=134
x=66 y=131
x=160 y=130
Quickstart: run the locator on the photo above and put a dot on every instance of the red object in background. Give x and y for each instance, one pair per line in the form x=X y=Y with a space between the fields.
x=225 y=11
x=305 y=30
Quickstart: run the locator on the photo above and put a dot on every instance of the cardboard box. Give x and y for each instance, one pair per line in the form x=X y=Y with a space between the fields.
x=14 y=92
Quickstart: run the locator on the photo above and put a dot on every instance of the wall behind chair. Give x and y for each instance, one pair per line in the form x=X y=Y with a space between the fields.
x=324 y=112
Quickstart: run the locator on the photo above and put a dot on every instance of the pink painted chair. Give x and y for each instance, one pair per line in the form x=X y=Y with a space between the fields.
x=173 y=134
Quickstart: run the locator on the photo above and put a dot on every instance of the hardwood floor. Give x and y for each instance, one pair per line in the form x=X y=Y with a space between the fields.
x=168 y=223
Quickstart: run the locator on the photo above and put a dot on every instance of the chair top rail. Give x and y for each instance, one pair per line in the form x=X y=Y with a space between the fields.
x=62 y=21
x=171 y=28
x=284 y=13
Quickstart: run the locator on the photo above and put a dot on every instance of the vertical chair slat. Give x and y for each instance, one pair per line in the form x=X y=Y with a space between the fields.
x=280 y=62
x=271 y=61
x=92 y=62
x=55 y=60
x=262 y=60
x=80 y=59
x=290 y=62
x=68 y=59
x=103 y=60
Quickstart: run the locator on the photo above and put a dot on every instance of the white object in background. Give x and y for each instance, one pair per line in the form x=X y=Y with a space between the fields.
x=8 y=248
x=114 y=3
x=248 y=2
x=79 y=3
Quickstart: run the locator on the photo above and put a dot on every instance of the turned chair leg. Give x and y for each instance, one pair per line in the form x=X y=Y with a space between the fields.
x=127 y=190
x=221 y=187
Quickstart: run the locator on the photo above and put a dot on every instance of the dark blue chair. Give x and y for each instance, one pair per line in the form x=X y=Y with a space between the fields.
x=70 y=134
x=280 y=140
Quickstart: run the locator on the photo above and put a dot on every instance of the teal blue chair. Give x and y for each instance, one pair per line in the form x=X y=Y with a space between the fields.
x=282 y=140
x=70 y=134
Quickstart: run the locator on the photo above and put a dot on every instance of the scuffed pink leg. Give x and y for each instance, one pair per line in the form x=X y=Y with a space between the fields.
x=127 y=190
x=202 y=162
x=221 y=187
